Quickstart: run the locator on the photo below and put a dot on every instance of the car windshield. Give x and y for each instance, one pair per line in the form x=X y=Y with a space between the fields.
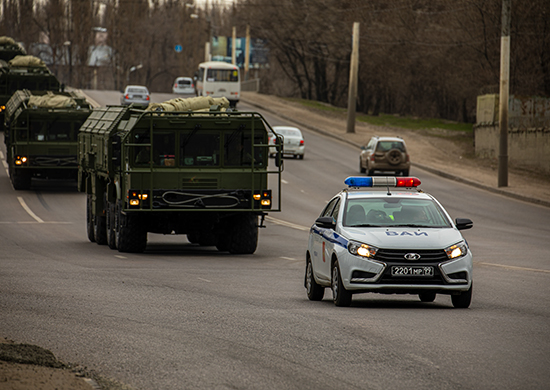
x=384 y=146
x=394 y=212
x=138 y=90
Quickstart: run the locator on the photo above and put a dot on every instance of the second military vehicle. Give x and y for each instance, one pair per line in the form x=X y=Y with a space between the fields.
x=41 y=135
x=24 y=72
x=186 y=166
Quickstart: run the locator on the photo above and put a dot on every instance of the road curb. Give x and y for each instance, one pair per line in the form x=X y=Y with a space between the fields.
x=435 y=171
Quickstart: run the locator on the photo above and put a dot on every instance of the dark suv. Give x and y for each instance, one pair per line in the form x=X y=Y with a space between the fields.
x=385 y=154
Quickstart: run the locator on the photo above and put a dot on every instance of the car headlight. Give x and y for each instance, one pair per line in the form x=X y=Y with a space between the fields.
x=457 y=250
x=361 y=250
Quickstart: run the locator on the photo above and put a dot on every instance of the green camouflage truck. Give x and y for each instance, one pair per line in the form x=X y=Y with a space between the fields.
x=24 y=72
x=185 y=166
x=9 y=49
x=41 y=135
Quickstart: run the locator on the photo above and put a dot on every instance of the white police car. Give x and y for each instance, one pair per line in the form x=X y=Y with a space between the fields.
x=394 y=239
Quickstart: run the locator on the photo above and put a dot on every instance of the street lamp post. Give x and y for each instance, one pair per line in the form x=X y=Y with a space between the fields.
x=132 y=69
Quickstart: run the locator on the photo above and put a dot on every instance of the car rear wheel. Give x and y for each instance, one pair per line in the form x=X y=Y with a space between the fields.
x=463 y=300
x=427 y=296
x=315 y=292
x=361 y=169
x=340 y=295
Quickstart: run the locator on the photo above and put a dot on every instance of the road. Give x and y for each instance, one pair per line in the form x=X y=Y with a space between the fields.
x=181 y=316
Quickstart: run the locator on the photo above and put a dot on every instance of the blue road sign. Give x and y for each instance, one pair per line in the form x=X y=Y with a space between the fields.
x=178 y=48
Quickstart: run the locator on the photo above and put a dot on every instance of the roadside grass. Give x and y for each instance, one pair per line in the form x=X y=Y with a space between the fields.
x=405 y=122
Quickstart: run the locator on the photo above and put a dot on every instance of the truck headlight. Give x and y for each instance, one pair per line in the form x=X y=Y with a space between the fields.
x=361 y=250
x=457 y=250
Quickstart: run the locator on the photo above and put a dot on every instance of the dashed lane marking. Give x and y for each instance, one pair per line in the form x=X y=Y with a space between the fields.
x=6 y=166
x=513 y=267
x=33 y=222
x=287 y=224
x=28 y=210
x=287 y=258
x=284 y=181
x=205 y=280
x=120 y=257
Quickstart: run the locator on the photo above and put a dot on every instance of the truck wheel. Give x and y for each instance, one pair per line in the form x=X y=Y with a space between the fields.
x=21 y=180
x=131 y=238
x=244 y=234
x=193 y=238
x=111 y=233
x=89 y=219
x=100 y=230
x=207 y=238
x=224 y=239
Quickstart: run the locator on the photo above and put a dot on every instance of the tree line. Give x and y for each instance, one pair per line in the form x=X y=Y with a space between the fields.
x=428 y=58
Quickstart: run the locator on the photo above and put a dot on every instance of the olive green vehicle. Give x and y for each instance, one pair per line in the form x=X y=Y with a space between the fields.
x=41 y=135
x=24 y=72
x=185 y=166
x=9 y=49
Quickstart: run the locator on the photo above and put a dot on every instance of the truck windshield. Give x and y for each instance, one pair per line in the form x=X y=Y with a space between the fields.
x=50 y=131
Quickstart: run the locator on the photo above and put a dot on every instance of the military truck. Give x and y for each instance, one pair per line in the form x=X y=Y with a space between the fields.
x=24 y=72
x=42 y=135
x=185 y=166
x=9 y=49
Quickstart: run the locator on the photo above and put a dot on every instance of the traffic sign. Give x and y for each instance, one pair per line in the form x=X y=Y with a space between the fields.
x=178 y=48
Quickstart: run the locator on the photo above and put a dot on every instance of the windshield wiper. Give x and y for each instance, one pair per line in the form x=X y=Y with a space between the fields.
x=364 y=225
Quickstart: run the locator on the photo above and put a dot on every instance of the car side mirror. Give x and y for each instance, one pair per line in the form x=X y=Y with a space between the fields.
x=326 y=222
x=278 y=160
x=463 y=223
x=363 y=147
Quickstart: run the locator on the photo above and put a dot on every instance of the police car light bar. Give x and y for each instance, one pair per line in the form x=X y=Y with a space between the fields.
x=388 y=181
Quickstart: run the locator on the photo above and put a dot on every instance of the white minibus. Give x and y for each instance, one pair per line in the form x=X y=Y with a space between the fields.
x=219 y=79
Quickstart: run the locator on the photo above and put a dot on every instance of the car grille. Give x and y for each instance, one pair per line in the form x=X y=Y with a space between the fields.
x=393 y=256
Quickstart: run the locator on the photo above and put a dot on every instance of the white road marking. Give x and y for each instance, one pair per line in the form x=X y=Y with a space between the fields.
x=287 y=224
x=205 y=280
x=31 y=223
x=121 y=257
x=6 y=166
x=513 y=267
x=28 y=210
x=288 y=258
x=284 y=181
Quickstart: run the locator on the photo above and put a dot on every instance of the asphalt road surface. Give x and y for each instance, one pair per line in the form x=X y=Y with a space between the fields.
x=181 y=316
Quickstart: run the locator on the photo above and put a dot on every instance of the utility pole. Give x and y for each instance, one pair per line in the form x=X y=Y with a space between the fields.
x=234 y=47
x=247 y=52
x=503 y=94
x=354 y=68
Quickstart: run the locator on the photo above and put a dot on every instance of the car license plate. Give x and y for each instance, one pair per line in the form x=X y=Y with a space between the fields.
x=405 y=270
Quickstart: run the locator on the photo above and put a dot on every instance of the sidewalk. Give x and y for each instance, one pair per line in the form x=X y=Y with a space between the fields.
x=442 y=152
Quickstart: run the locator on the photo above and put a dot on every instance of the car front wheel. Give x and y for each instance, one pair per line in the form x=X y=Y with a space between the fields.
x=315 y=292
x=340 y=295
x=463 y=300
